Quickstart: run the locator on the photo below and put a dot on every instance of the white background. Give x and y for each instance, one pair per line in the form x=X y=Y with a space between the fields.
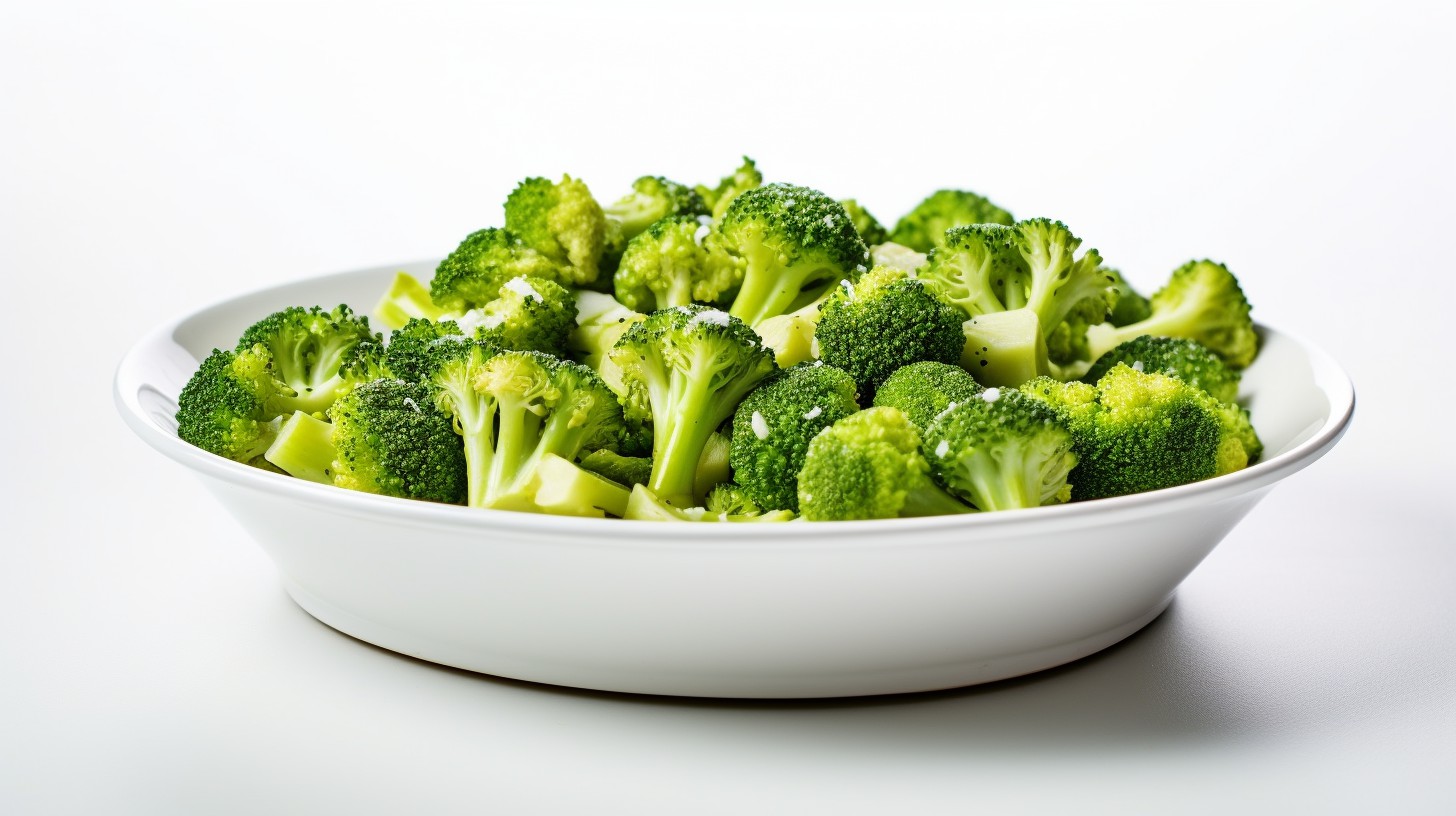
x=156 y=157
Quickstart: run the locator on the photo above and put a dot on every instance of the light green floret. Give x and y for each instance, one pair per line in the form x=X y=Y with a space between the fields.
x=1127 y=305
x=740 y=181
x=868 y=466
x=774 y=423
x=1185 y=359
x=673 y=264
x=232 y=404
x=923 y=228
x=530 y=314
x=868 y=227
x=474 y=273
x=792 y=244
x=562 y=221
x=652 y=199
x=407 y=354
x=390 y=439
x=728 y=499
x=685 y=369
x=644 y=505
x=883 y=322
x=309 y=347
x=923 y=390
x=1202 y=301
x=1001 y=450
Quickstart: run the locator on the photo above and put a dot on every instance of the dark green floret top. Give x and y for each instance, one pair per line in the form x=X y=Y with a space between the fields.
x=797 y=222
x=1185 y=359
x=391 y=440
x=923 y=228
x=231 y=404
x=562 y=221
x=474 y=273
x=923 y=390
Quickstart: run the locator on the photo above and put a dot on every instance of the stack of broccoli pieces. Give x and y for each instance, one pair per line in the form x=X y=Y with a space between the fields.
x=746 y=351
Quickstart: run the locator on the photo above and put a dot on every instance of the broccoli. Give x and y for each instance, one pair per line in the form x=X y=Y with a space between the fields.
x=923 y=228
x=717 y=199
x=686 y=369
x=407 y=354
x=1127 y=305
x=900 y=257
x=672 y=264
x=389 y=438
x=644 y=505
x=233 y=403
x=624 y=470
x=560 y=488
x=923 y=390
x=406 y=299
x=652 y=199
x=792 y=244
x=868 y=465
x=1001 y=450
x=530 y=314
x=869 y=228
x=774 y=423
x=474 y=273
x=600 y=322
x=791 y=336
x=561 y=221
x=1202 y=301
x=1140 y=430
x=886 y=321
x=1185 y=359
x=728 y=499
x=309 y=347
x=713 y=466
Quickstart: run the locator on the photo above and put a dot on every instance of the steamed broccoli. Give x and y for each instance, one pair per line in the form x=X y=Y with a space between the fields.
x=309 y=347
x=792 y=244
x=474 y=273
x=406 y=299
x=885 y=321
x=652 y=199
x=745 y=178
x=670 y=265
x=389 y=438
x=868 y=227
x=728 y=499
x=1185 y=359
x=1127 y=305
x=562 y=221
x=530 y=314
x=868 y=465
x=644 y=505
x=232 y=404
x=1202 y=301
x=686 y=369
x=923 y=228
x=624 y=470
x=923 y=390
x=1139 y=430
x=1001 y=450
x=600 y=322
x=774 y=423
x=791 y=336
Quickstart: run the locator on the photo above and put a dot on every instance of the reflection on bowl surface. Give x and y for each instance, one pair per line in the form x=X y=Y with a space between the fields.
x=785 y=610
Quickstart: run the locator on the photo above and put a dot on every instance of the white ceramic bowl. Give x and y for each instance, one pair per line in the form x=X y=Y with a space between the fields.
x=782 y=610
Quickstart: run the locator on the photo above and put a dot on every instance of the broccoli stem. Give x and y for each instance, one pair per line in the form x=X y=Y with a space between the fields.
x=930 y=500
x=304 y=448
x=517 y=435
x=1005 y=348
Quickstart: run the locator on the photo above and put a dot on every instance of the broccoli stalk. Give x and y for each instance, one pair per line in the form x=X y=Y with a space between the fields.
x=686 y=369
x=644 y=505
x=558 y=487
x=304 y=448
x=1202 y=301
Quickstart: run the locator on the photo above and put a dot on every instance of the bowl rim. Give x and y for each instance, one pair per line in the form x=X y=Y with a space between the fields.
x=130 y=380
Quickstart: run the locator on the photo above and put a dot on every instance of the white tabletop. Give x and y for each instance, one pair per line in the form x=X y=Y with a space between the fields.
x=157 y=156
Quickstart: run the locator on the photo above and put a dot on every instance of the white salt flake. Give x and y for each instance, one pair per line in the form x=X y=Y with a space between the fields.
x=813 y=412
x=522 y=288
x=859 y=267
x=701 y=234
x=788 y=202
x=829 y=221
x=413 y=406
x=848 y=288
x=713 y=316
x=991 y=394
x=759 y=425
x=1137 y=365
x=705 y=220
x=942 y=449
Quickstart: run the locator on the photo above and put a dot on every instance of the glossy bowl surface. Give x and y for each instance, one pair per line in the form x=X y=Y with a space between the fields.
x=778 y=610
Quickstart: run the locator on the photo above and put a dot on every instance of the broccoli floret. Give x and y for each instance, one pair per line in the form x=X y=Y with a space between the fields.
x=685 y=369
x=885 y=321
x=774 y=423
x=868 y=227
x=1001 y=450
x=868 y=465
x=561 y=221
x=979 y=269
x=407 y=355
x=1127 y=305
x=1202 y=301
x=728 y=499
x=923 y=228
x=389 y=438
x=1139 y=430
x=672 y=264
x=644 y=505
x=717 y=199
x=792 y=244
x=1059 y=284
x=530 y=314
x=406 y=299
x=474 y=273
x=921 y=391
x=624 y=470
x=1185 y=359
x=232 y=404
x=652 y=199
x=309 y=346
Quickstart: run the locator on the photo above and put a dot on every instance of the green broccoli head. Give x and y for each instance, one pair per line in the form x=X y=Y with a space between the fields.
x=308 y=347
x=868 y=465
x=652 y=199
x=1177 y=357
x=921 y=391
x=792 y=244
x=562 y=221
x=868 y=227
x=232 y=404
x=407 y=354
x=1127 y=305
x=1202 y=301
x=1061 y=286
x=530 y=314
x=473 y=274
x=673 y=263
x=685 y=369
x=923 y=228
x=774 y=423
x=1140 y=430
x=390 y=439
x=885 y=321
x=1001 y=450
x=728 y=499
x=978 y=269
x=740 y=181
